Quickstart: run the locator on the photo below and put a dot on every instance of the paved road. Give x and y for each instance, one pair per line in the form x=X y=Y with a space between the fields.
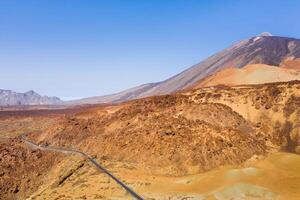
x=94 y=162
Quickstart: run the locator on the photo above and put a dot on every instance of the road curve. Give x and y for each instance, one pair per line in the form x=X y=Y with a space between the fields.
x=97 y=165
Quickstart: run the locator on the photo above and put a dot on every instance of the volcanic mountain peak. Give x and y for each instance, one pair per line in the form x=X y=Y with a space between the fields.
x=262 y=49
x=260 y=36
x=265 y=34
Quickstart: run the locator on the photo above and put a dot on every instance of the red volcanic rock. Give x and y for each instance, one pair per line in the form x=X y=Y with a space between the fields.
x=21 y=168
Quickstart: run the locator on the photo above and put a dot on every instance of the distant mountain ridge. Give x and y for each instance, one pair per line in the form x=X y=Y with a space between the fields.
x=261 y=49
x=12 y=98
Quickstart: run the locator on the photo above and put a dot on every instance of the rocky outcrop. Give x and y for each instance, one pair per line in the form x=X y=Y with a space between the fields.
x=21 y=168
x=166 y=134
x=189 y=132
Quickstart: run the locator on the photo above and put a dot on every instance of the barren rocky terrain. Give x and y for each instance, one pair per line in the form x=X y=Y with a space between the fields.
x=149 y=100
x=22 y=168
x=251 y=74
x=167 y=135
x=210 y=143
x=175 y=129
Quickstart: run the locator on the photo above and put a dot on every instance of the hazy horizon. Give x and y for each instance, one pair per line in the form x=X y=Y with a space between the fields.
x=77 y=49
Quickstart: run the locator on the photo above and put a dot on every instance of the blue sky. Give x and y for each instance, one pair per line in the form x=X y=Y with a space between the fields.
x=73 y=49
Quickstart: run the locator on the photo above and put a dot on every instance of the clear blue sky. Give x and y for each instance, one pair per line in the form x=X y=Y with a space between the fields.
x=72 y=48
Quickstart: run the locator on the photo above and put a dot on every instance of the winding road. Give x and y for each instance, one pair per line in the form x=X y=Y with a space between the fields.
x=94 y=162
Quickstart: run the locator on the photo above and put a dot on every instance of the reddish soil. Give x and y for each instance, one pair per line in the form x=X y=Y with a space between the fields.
x=22 y=169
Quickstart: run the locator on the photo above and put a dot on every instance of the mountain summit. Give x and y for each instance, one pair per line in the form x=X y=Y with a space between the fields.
x=262 y=49
x=265 y=34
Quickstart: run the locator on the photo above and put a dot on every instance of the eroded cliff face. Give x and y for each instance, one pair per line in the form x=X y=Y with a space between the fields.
x=189 y=132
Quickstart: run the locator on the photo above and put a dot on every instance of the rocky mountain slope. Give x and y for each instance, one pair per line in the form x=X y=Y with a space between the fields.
x=199 y=144
x=21 y=168
x=11 y=98
x=262 y=49
x=129 y=94
x=250 y=74
x=189 y=132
